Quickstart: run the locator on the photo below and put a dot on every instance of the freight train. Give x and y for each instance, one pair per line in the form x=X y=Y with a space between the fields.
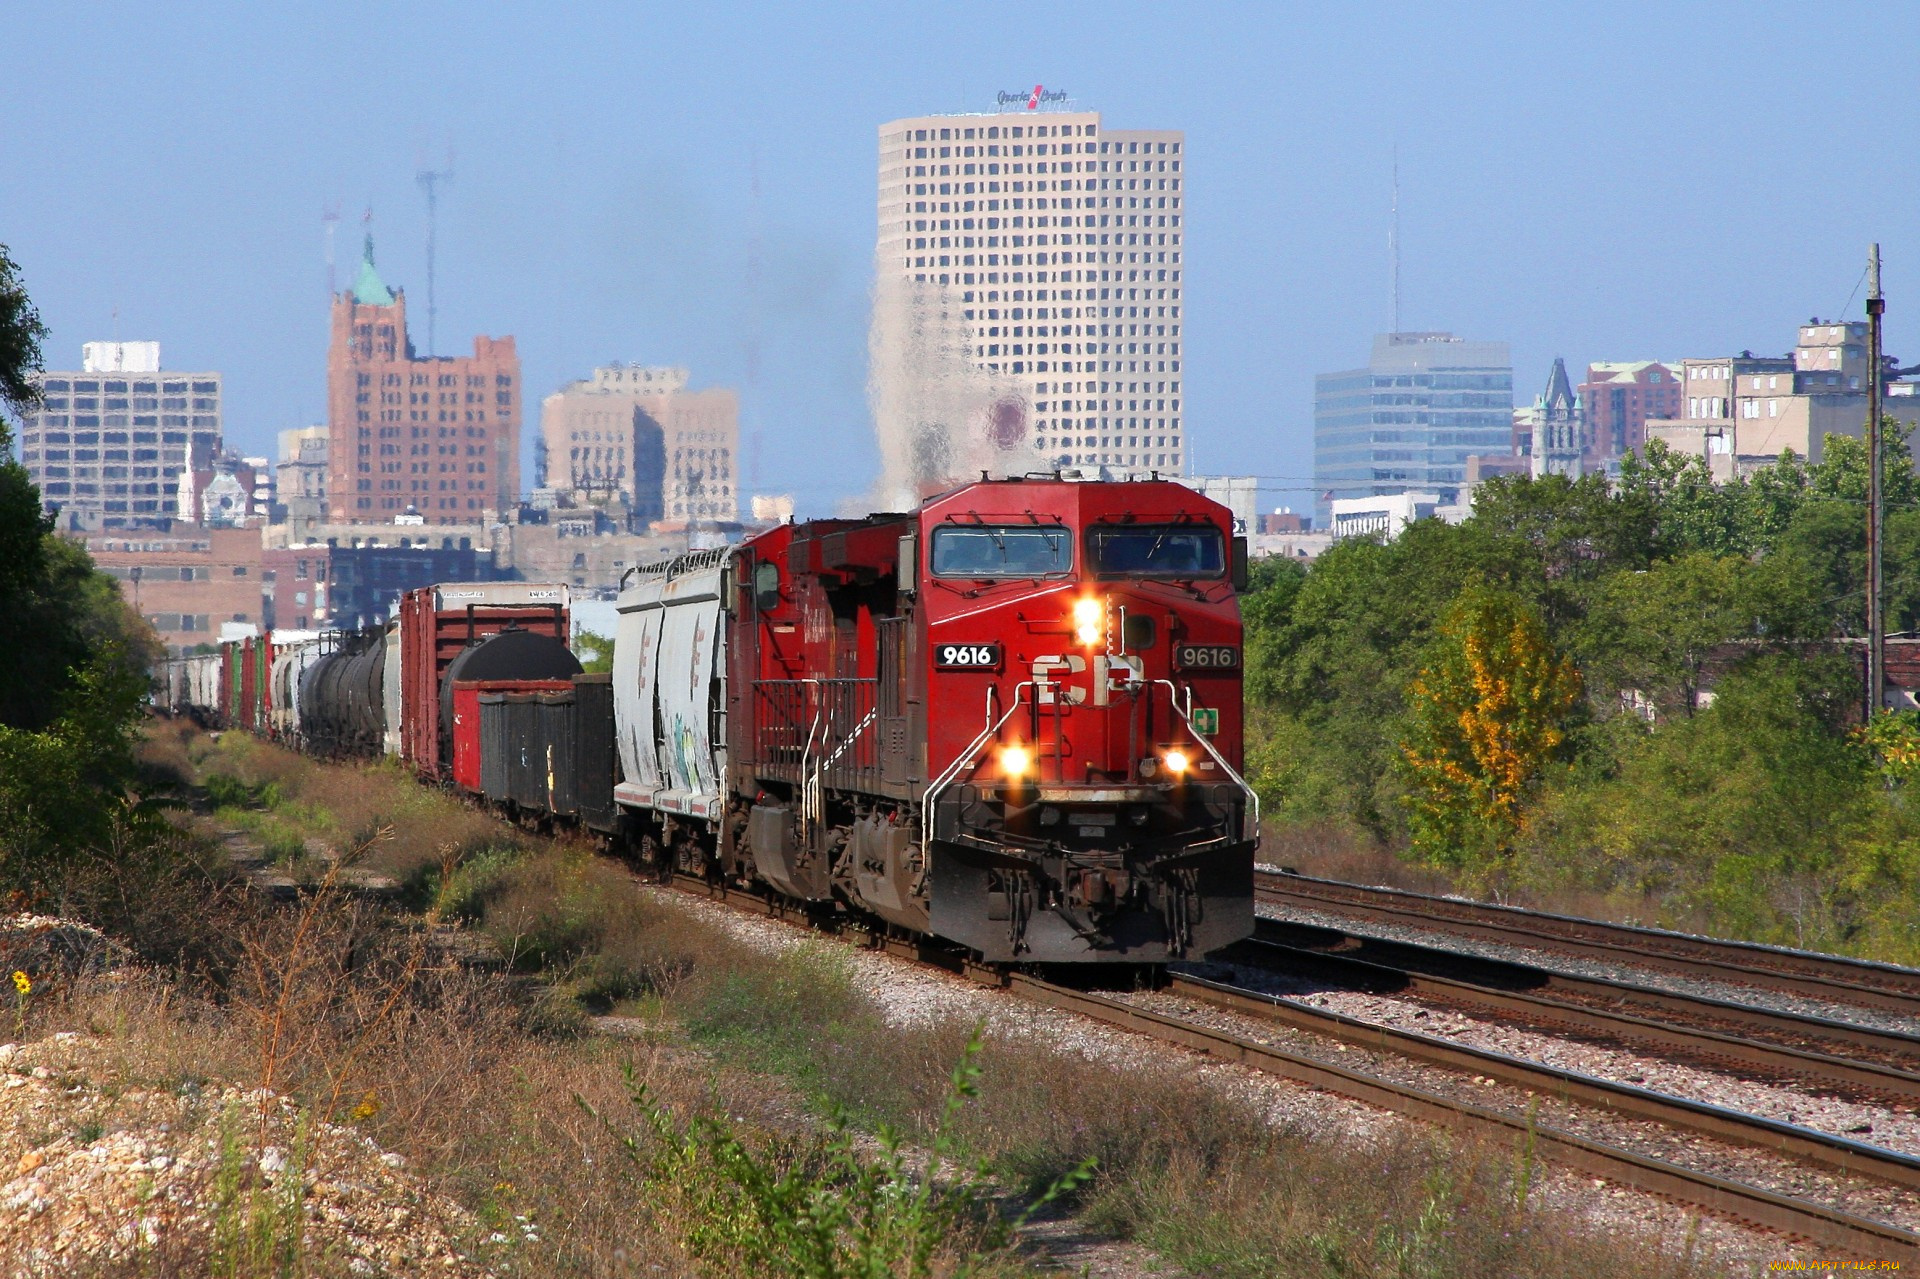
x=1011 y=719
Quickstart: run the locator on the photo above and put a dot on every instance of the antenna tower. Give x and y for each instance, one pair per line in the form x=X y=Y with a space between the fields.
x=329 y=219
x=1876 y=497
x=753 y=325
x=1393 y=243
x=431 y=180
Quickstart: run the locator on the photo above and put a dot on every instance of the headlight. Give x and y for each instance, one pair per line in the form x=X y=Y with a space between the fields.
x=1014 y=761
x=1149 y=767
x=1089 y=614
x=1177 y=762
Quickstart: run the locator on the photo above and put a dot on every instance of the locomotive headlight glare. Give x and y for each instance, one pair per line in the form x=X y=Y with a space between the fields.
x=1014 y=761
x=1088 y=616
x=1177 y=762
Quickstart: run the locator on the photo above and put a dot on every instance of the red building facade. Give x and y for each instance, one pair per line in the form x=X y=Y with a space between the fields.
x=1619 y=398
x=438 y=435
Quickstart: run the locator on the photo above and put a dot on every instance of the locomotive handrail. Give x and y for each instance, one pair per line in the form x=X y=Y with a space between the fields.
x=1253 y=797
x=813 y=793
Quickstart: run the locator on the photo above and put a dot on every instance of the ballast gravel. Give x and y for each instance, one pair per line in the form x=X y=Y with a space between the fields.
x=909 y=993
x=1861 y=1196
x=1886 y=1124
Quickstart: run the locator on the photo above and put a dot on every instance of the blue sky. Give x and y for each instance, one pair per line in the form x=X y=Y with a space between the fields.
x=1623 y=182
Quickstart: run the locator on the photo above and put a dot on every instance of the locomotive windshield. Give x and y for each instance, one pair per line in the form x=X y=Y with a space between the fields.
x=1157 y=550
x=984 y=550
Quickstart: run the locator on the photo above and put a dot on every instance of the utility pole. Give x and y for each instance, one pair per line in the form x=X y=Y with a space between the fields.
x=1876 y=498
x=430 y=181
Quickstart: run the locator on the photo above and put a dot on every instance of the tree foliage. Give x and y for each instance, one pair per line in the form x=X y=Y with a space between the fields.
x=73 y=660
x=1486 y=714
x=1707 y=757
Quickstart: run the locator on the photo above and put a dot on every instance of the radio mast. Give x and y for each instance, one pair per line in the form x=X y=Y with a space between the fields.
x=431 y=180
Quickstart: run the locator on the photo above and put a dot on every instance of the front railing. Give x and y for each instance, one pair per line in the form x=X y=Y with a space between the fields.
x=818 y=731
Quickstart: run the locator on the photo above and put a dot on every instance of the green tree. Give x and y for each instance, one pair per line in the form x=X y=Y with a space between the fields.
x=1688 y=510
x=1485 y=715
x=1652 y=632
x=21 y=333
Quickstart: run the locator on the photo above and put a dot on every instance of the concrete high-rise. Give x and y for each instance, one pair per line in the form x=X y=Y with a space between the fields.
x=438 y=434
x=635 y=435
x=1409 y=420
x=1028 y=302
x=108 y=444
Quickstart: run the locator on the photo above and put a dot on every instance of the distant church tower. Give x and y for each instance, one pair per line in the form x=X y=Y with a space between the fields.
x=1559 y=428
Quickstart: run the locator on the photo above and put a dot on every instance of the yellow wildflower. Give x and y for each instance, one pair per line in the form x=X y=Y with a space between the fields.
x=22 y=983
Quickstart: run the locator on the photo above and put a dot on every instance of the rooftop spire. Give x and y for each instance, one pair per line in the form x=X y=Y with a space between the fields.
x=368 y=289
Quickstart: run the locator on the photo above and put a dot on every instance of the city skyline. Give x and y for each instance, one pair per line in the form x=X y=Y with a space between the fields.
x=736 y=235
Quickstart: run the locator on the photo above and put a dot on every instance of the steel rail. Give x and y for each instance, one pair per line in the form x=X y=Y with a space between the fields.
x=1861 y=1237
x=1629 y=1101
x=1893 y=1049
x=1706 y=1045
x=1854 y=1235
x=1833 y=978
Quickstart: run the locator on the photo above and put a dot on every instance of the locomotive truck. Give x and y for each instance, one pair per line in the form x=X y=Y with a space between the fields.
x=1011 y=719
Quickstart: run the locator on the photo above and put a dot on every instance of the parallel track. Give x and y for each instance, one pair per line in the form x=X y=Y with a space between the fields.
x=1828 y=1227
x=1833 y=978
x=1843 y=1055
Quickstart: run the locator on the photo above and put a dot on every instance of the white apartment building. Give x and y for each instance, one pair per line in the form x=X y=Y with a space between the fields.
x=1029 y=296
x=108 y=443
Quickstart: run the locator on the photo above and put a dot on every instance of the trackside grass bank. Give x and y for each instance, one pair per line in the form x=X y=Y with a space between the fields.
x=756 y=1113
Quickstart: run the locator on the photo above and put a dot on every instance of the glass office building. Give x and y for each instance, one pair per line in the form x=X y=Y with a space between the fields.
x=1409 y=420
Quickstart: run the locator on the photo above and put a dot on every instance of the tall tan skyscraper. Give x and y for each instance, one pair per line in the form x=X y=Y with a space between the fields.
x=1028 y=300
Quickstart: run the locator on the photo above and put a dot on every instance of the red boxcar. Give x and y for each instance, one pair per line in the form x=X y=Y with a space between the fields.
x=436 y=623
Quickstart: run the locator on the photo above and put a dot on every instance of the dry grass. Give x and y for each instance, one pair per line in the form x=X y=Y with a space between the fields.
x=1203 y=1178
x=407 y=831
x=477 y=1079
x=1332 y=852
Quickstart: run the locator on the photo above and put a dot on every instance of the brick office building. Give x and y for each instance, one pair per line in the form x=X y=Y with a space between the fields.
x=1618 y=399
x=187 y=583
x=438 y=434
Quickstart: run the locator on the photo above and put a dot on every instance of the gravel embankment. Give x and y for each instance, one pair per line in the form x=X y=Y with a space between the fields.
x=1892 y=1125
x=1862 y=1196
x=98 y=1172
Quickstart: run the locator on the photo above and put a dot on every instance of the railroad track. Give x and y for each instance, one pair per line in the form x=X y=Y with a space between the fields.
x=1843 y=1055
x=1833 y=978
x=1826 y=1226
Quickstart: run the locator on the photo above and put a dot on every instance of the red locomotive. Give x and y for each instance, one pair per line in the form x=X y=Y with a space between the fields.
x=1011 y=719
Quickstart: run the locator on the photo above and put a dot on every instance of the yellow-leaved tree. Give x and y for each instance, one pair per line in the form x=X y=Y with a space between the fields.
x=1485 y=715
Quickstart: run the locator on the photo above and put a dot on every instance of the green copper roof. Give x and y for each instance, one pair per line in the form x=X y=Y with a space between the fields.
x=368 y=290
